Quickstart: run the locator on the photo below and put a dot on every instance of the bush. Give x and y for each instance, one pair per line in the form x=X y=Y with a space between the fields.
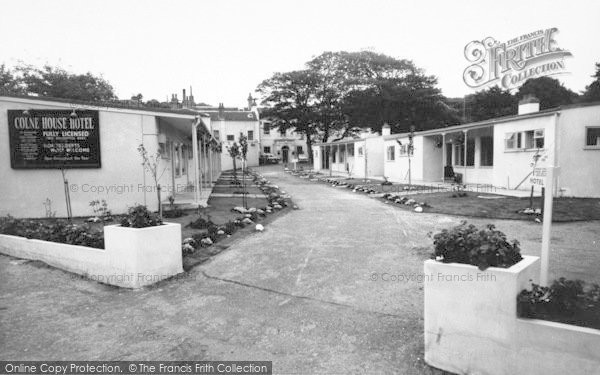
x=483 y=248
x=140 y=217
x=173 y=213
x=200 y=223
x=230 y=227
x=567 y=301
x=57 y=231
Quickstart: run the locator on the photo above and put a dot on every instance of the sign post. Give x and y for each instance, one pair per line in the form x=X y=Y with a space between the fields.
x=547 y=222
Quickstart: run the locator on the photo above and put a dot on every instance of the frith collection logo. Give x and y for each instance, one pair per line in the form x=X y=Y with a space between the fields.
x=512 y=63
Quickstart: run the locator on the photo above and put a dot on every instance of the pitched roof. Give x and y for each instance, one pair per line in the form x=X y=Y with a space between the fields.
x=232 y=115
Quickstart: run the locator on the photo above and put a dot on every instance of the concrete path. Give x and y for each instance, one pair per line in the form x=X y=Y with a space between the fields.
x=314 y=293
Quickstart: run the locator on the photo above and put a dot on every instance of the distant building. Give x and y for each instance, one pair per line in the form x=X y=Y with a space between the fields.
x=287 y=145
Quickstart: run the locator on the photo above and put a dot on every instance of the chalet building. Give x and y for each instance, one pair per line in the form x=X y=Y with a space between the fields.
x=357 y=157
x=97 y=148
x=500 y=152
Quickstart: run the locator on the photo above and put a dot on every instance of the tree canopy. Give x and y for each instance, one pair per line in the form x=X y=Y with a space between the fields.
x=490 y=103
x=55 y=82
x=592 y=91
x=549 y=91
x=339 y=92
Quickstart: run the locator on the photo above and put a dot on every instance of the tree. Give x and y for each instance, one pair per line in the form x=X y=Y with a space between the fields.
x=57 y=82
x=340 y=92
x=549 y=91
x=9 y=83
x=234 y=152
x=290 y=100
x=490 y=103
x=592 y=91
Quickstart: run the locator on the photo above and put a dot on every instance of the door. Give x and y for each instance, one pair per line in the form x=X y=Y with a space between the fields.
x=284 y=153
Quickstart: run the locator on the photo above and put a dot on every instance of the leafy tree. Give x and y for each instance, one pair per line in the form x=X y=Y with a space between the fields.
x=490 y=103
x=234 y=153
x=549 y=91
x=57 y=82
x=290 y=100
x=592 y=91
x=340 y=92
x=9 y=84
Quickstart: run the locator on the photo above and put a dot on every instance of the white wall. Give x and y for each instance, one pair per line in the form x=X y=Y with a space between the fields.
x=512 y=166
x=235 y=128
x=397 y=170
x=579 y=173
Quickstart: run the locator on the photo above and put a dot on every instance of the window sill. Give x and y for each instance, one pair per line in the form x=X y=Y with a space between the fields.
x=591 y=148
x=524 y=150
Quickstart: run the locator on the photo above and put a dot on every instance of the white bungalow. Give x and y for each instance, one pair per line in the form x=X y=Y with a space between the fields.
x=500 y=152
x=97 y=147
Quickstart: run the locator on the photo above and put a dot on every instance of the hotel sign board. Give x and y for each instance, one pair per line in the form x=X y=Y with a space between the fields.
x=538 y=177
x=54 y=139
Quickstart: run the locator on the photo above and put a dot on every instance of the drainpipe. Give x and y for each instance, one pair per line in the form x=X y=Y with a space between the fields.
x=444 y=161
x=195 y=156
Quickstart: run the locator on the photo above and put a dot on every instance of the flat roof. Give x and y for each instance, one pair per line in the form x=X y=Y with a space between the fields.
x=103 y=105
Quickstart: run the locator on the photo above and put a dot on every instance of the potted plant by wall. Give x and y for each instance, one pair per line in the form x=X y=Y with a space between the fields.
x=150 y=246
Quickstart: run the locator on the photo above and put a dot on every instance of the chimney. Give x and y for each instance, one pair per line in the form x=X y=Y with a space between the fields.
x=184 y=99
x=529 y=104
x=221 y=111
x=191 y=98
x=250 y=101
x=386 y=129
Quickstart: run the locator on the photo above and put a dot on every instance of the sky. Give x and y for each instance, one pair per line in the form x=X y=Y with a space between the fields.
x=224 y=49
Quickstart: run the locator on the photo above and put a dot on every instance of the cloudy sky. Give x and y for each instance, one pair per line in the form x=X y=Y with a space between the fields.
x=224 y=49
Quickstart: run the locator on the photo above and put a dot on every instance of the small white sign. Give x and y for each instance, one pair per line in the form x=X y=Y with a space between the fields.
x=538 y=177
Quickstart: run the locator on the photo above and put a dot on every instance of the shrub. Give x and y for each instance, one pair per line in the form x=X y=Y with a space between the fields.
x=230 y=227
x=140 y=217
x=200 y=223
x=568 y=301
x=173 y=213
x=483 y=248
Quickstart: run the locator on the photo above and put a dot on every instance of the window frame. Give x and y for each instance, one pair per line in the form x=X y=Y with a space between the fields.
x=391 y=153
x=587 y=137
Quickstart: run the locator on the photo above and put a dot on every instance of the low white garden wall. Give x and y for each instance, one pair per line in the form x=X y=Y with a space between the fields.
x=131 y=258
x=471 y=325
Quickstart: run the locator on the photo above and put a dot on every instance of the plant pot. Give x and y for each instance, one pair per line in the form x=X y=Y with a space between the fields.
x=470 y=315
x=148 y=254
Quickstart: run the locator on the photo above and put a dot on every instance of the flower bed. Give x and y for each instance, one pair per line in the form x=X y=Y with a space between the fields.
x=56 y=231
x=565 y=301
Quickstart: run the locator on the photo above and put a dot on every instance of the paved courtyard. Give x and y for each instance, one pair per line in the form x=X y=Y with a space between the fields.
x=307 y=293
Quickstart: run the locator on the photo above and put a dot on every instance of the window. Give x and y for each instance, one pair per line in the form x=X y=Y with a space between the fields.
x=299 y=150
x=529 y=139
x=459 y=154
x=360 y=151
x=177 y=161
x=509 y=141
x=282 y=132
x=266 y=128
x=391 y=153
x=351 y=150
x=216 y=134
x=487 y=152
x=341 y=156
x=403 y=150
x=267 y=149
x=592 y=136
x=250 y=135
x=470 y=152
x=230 y=137
x=333 y=154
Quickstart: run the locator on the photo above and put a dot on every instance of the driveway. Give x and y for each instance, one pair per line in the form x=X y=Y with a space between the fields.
x=313 y=293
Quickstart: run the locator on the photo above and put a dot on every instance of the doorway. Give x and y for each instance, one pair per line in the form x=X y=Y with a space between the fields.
x=285 y=150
